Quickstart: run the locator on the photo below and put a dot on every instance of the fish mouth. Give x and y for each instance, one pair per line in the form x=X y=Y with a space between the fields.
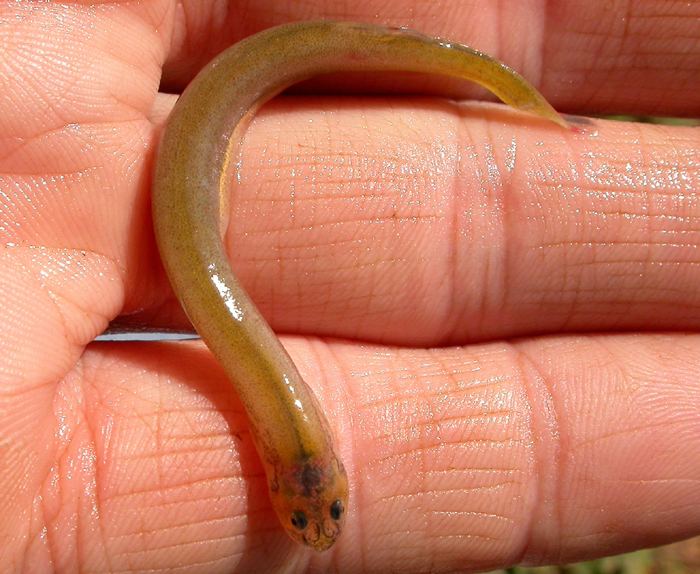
x=320 y=539
x=321 y=544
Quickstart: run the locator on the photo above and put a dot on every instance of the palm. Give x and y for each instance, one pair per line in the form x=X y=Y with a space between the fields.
x=137 y=455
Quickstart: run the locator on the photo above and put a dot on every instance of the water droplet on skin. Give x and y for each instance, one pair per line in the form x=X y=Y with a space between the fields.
x=511 y=153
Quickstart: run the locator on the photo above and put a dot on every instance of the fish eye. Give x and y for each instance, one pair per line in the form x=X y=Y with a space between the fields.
x=337 y=509
x=299 y=520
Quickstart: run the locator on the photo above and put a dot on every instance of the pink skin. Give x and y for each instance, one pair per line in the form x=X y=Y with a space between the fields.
x=414 y=222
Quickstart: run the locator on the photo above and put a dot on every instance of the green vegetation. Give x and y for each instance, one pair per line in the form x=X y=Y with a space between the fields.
x=679 y=558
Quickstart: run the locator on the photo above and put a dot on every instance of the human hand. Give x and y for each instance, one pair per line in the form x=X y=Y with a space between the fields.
x=433 y=262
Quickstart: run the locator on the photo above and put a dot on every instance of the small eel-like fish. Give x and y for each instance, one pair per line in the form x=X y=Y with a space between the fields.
x=307 y=482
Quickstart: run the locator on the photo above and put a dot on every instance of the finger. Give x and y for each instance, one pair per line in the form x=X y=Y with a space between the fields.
x=426 y=223
x=549 y=450
x=72 y=140
x=75 y=138
x=586 y=58
x=539 y=452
